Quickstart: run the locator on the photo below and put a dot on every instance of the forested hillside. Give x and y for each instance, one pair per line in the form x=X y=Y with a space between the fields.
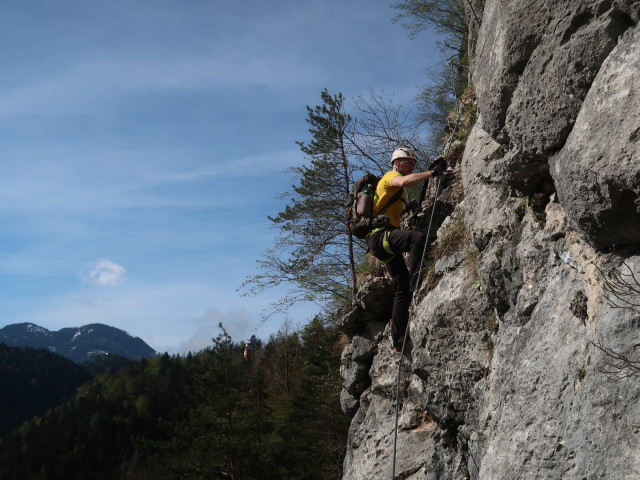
x=32 y=381
x=209 y=415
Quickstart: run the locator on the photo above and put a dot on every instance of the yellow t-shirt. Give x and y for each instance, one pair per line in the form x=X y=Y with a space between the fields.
x=384 y=192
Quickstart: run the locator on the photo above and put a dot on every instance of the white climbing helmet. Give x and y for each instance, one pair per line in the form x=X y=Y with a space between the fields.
x=403 y=153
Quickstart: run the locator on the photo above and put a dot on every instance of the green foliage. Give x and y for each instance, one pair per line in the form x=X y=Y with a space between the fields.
x=449 y=80
x=221 y=422
x=328 y=125
x=314 y=252
x=446 y=17
x=34 y=380
x=209 y=415
x=315 y=422
x=111 y=363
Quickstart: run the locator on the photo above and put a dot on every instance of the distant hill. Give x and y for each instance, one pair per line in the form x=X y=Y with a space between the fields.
x=210 y=415
x=34 y=381
x=79 y=344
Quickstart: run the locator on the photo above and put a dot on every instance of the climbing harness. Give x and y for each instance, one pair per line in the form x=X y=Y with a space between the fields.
x=385 y=244
x=387 y=247
x=413 y=302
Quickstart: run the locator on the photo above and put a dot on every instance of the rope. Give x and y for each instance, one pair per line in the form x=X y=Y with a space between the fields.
x=404 y=342
x=413 y=302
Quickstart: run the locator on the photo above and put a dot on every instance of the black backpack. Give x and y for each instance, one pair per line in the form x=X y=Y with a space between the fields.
x=359 y=206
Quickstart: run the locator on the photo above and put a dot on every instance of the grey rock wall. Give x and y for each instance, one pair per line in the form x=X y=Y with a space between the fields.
x=596 y=173
x=515 y=369
x=533 y=65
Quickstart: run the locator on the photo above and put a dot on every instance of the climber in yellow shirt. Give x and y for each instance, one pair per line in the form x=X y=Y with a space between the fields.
x=388 y=243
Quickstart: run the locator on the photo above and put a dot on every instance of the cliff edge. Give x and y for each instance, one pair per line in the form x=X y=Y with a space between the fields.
x=525 y=339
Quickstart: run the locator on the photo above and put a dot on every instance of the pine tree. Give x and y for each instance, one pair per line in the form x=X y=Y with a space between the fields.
x=315 y=428
x=224 y=432
x=446 y=17
x=315 y=251
x=448 y=80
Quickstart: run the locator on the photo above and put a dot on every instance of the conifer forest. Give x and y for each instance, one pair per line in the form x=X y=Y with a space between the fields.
x=207 y=415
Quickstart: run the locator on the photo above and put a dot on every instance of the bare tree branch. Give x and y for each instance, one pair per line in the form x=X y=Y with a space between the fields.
x=618 y=366
x=622 y=286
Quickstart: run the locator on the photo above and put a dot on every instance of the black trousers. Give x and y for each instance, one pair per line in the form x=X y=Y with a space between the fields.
x=404 y=275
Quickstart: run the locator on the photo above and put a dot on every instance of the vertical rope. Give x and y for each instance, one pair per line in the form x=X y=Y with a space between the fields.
x=413 y=302
x=404 y=342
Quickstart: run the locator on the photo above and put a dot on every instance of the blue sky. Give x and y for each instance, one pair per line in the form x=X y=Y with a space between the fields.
x=143 y=143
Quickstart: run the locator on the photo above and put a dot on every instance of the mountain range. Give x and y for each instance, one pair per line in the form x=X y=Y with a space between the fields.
x=78 y=344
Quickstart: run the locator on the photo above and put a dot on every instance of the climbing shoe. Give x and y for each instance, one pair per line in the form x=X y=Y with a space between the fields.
x=396 y=344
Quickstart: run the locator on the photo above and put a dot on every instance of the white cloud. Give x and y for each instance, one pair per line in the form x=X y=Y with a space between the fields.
x=237 y=323
x=103 y=272
x=270 y=53
x=96 y=85
x=76 y=180
x=168 y=314
x=167 y=141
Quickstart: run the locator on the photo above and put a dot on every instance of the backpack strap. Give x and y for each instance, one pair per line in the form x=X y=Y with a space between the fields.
x=396 y=196
x=391 y=201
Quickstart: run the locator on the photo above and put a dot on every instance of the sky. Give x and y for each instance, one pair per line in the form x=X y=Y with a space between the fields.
x=144 y=143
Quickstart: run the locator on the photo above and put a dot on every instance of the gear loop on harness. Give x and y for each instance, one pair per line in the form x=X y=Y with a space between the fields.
x=386 y=245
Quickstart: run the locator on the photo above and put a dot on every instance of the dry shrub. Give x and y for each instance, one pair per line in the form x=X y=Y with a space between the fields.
x=454 y=238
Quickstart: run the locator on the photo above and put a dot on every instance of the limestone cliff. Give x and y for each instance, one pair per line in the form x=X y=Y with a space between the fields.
x=531 y=307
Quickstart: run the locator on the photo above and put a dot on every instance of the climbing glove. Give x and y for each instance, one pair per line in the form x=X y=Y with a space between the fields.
x=438 y=166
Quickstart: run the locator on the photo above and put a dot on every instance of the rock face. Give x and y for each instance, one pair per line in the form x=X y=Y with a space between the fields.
x=596 y=173
x=534 y=63
x=516 y=366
